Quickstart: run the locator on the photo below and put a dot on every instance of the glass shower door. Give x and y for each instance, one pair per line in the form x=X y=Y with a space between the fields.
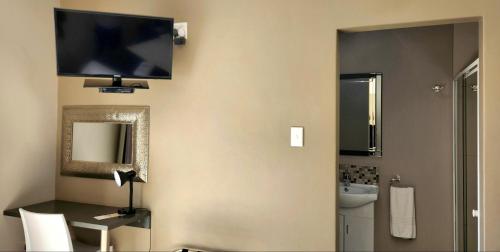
x=466 y=159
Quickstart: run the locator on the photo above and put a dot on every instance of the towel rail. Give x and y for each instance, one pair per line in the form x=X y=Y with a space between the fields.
x=395 y=179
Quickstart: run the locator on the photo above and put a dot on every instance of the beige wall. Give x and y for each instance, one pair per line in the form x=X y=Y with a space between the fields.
x=417 y=126
x=222 y=174
x=28 y=106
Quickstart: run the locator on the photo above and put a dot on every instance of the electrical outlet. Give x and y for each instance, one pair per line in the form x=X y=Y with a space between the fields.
x=182 y=29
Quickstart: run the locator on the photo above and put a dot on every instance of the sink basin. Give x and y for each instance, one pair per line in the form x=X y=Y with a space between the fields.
x=357 y=195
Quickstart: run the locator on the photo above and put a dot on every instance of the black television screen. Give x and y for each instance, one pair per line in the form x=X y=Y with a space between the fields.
x=106 y=44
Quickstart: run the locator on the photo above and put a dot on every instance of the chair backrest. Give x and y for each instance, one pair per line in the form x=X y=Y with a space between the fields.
x=45 y=232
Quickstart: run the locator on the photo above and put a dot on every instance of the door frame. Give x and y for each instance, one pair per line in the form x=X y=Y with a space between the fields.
x=480 y=140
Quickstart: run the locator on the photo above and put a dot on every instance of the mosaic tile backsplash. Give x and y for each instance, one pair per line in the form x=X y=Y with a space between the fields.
x=367 y=175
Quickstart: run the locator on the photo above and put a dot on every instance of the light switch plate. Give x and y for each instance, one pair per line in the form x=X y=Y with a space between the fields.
x=297 y=136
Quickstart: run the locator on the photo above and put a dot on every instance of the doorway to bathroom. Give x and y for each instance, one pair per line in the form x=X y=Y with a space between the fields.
x=409 y=166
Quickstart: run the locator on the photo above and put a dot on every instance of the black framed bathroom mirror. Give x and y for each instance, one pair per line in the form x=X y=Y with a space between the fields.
x=361 y=114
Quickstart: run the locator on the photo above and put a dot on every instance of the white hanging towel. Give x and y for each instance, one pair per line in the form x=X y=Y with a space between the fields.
x=403 y=223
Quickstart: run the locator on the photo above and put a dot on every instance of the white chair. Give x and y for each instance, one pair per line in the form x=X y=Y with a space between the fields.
x=49 y=232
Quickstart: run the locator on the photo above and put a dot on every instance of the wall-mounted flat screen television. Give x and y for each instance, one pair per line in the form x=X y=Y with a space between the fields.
x=113 y=45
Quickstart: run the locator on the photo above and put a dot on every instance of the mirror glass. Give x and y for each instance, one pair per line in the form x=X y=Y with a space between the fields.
x=361 y=114
x=102 y=142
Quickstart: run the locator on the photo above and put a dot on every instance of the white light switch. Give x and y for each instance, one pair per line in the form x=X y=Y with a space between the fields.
x=297 y=136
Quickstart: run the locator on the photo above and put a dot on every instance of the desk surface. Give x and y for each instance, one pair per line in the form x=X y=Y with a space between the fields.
x=82 y=215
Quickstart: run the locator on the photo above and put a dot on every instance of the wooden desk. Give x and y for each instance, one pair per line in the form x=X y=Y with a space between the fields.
x=82 y=215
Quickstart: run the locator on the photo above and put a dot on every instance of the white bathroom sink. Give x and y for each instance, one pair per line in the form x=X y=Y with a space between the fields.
x=357 y=195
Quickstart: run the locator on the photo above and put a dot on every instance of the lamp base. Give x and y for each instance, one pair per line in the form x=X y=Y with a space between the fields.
x=126 y=211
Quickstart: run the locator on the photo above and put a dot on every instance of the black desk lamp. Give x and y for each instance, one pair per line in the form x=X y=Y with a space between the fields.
x=121 y=178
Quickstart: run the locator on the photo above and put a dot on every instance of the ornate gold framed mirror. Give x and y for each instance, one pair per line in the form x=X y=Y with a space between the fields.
x=97 y=140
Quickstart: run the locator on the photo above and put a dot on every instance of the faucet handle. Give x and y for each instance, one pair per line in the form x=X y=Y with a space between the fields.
x=346 y=175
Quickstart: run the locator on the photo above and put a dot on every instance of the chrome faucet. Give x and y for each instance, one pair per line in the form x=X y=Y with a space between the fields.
x=347 y=178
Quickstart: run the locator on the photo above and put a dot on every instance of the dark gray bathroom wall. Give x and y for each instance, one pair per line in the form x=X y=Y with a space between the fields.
x=465 y=46
x=417 y=126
